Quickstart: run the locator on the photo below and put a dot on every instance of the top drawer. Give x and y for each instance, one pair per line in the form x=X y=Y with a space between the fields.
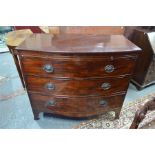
x=69 y=67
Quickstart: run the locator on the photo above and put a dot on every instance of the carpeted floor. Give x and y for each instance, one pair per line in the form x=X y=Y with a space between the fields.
x=3 y=47
x=15 y=109
x=108 y=121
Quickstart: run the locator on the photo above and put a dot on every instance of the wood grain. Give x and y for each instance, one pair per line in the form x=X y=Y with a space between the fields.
x=84 y=87
x=76 y=107
x=77 y=78
x=78 y=44
x=79 y=66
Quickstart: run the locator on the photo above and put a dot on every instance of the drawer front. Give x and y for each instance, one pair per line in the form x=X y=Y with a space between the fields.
x=77 y=66
x=95 y=87
x=76 y=107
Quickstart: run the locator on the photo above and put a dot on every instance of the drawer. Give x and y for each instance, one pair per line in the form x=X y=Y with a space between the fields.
x=72 y=87
x=76 y=107
x=78 y=66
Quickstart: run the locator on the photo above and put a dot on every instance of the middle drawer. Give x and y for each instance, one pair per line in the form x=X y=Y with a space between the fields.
x=76 y=87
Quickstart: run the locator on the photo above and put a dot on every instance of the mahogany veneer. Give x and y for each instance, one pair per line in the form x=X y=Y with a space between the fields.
x=77 y=75
x=76 y=87
x=68 y=66
x=75 y=106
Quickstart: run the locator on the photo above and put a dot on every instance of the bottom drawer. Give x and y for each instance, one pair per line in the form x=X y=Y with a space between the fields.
x=77 y=106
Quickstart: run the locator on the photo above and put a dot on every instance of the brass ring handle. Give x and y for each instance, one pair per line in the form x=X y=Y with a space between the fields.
x=106 y=86
x=51 y=103
x=109 y=68
x=48 y=68
x=103 y=102
x=50 y=86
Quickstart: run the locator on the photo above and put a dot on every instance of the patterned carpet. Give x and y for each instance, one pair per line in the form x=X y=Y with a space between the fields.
x=107 y=120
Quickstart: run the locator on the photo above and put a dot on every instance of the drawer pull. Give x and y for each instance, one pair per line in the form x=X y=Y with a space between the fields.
x=106 y=86
x=109 y=68
x=103 y=102
x=50 y=86
x=48 y=68
x=51 y=103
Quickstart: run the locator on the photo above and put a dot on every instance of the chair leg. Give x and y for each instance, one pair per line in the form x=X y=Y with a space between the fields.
x=141 y=113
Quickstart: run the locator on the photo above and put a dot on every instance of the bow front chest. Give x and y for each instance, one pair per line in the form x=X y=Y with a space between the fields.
x=77 y=75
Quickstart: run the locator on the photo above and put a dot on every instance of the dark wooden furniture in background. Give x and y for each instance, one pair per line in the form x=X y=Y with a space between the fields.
x=34 y=29
x=13 y=39
x=141 y=113
x=77 y=75
x=100 y=30
x=95 y=30
x=144 y=74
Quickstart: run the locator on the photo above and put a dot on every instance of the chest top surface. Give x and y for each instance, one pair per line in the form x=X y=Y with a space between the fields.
x=78 y=44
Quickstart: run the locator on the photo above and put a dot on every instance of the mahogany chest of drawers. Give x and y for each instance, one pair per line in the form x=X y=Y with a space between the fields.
x=77 y=75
